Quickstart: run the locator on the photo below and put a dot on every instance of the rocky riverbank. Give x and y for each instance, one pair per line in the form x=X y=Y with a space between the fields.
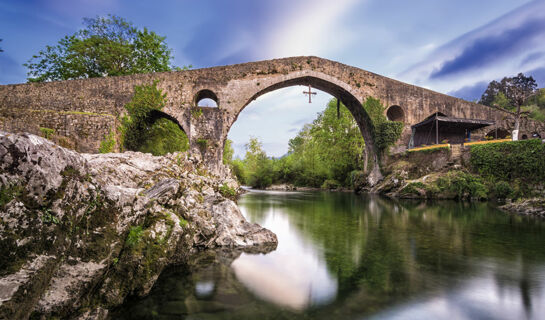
x=437 y=175
x=530 y=207
x=81 y=232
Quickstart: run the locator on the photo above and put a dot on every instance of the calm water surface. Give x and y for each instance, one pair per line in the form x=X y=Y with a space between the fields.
x=342 y=256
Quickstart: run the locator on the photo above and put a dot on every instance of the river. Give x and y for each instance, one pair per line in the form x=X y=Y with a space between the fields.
x=344 y=256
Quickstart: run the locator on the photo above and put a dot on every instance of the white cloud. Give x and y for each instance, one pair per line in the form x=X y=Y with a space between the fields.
x=308 y=29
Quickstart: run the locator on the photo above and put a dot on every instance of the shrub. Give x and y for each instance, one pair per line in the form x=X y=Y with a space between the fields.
x=463 y=185
x=107 y=145
x=164 y=137
x=357 y=179
x=202 y=143
x=227 y=191
x=413 y=188
x=47 y=132
x=146 y=129
x=330 y=184
x=385 y=133
x=502 y=190
x=510 y=160
x=183 y=222
x=239 y=170
x=8 y=193
x=134 y=236
x=196 y=112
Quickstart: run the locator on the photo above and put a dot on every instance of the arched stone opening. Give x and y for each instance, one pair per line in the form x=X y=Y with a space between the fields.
x=395 y=113
x=498 y=133
x=159 y=134
x=524 y=137
x=206 y=98
x=347 y=98
x=156 y=115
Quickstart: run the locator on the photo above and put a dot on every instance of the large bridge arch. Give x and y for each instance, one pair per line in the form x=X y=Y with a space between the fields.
x=325 y=83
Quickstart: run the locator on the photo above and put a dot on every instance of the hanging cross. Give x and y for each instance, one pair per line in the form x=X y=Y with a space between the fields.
x=310 y=93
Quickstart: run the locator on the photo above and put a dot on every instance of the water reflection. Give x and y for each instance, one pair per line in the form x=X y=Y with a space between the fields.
x=295 y=275
x=347 y=256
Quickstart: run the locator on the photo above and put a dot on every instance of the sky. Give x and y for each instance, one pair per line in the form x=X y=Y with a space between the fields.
x=453 y=47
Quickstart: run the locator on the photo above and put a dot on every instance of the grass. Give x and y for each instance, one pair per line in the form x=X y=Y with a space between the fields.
x=47 y=132
x=134 y=237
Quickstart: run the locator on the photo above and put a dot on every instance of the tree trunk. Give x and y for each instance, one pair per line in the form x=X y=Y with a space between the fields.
x=515 y=135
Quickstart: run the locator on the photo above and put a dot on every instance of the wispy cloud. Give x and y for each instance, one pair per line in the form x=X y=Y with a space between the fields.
x=487 y=50
x=506 y=46
x=532 y=58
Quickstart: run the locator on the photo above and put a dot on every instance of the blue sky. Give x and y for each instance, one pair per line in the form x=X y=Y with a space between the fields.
x=454 y=47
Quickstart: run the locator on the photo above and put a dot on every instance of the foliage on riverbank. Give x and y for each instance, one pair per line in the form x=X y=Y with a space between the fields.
x=455 y=184
x=507 y=161
x=509 y=170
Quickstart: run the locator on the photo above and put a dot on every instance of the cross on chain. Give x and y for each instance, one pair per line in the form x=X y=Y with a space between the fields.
x=310 y=93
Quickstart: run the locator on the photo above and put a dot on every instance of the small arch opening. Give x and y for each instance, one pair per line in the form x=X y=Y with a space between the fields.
x=395 y=113
x=524 y=137
x=206 y=98
x=498 y=134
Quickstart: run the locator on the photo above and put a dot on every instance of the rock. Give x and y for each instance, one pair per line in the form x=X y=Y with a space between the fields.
x=530 y=207
x=164 y=190
x=80 y=232
x=282 y=187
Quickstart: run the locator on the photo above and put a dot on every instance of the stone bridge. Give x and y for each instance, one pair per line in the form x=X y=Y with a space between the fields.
x=85 y=111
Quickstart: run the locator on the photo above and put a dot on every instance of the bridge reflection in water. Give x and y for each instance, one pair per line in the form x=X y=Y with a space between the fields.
x=347 y=256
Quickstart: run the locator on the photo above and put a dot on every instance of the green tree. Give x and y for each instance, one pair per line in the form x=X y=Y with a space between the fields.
x=145 y=129
x=501 y=100
x=488 y=96
x=259 y=170
x=517 y=90
x=107 y=46
x=328 y=149
x=535 y=105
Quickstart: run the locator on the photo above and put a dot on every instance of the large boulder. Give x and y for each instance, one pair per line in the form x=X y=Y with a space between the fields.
x=80 y=232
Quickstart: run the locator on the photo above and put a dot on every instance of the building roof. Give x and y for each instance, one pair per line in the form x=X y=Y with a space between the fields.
x=470 y=124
